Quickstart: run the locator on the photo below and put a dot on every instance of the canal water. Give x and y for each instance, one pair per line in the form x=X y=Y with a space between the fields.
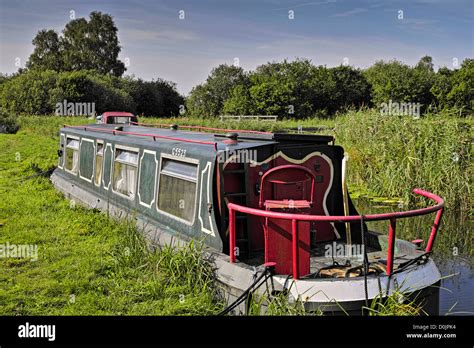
x=453 y=250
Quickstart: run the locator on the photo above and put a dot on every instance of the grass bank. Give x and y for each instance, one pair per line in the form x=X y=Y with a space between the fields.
x=87 y=264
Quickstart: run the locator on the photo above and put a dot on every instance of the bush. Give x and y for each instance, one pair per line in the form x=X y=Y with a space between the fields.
x=39 y=92
x=8 y=122
x=157 y=97
x=296 y=89
x=28 y=92
x=400 y=83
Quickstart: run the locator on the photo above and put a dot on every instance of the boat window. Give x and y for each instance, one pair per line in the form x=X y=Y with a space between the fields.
x=177 y=188
x=72 y=154
x=125 y=172
x=118 y=119
x=99 y=159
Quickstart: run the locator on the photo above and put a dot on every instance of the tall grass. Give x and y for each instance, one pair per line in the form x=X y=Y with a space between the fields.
x=391 y=155
x=87 y=264
x=396 y=304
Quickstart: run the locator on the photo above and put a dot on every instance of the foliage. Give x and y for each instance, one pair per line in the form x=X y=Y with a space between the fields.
x=298 y=89
x=455 y=89
x=399 y=82
x=38 y=92
x=208 y=98
x=84 y=45
x=156 y=97
x=8 y=122
x=391 y=155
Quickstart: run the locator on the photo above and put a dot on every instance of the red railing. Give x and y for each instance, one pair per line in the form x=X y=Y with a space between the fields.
x=392 y=217
x=154 y=136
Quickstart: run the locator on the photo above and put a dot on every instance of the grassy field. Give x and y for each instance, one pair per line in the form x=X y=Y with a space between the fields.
x=87 y=264
x=90 y=265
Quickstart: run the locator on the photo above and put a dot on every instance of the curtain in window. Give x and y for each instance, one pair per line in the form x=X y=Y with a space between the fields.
x=125 y=177
x=75 y=160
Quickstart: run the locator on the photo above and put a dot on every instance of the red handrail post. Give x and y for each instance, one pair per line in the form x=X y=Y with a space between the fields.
x=265 y=238
x=295 y=242
x=391 y=245
x=232 y=234
x=434 y=230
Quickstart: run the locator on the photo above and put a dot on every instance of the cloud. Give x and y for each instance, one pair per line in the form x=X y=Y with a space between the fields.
x=313 y=3
x=418 y=23
x=350 y=12
x=159 y=35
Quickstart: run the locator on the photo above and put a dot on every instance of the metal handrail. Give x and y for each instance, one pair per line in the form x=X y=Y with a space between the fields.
x=154 y=136
x=392 y=217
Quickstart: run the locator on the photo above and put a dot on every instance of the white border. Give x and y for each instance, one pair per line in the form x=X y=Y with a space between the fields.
x=208 y=170
x=154 y=179
x=98 y=142
x=78 y=150
x=103 y=166
x=93 y=159
x=182 y=159
x=62 y=137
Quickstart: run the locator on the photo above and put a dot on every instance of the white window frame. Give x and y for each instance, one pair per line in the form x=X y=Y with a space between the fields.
x=63 y=141
x=78 y=158
x=111 y=165
x=130 y=149
x=154 y=179
x=99 y=142
x=93 y=163
x=181 y=159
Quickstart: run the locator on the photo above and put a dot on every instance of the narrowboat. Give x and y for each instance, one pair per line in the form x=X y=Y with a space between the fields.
x=261 y=202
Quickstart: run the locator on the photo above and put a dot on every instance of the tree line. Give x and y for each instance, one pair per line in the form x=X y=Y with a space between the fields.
x=81 y=65
x=299 y=89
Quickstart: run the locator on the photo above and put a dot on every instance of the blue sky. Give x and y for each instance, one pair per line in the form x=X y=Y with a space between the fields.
x=157 y=43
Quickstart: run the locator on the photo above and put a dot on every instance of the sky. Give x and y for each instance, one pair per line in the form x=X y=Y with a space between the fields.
x=182 y=41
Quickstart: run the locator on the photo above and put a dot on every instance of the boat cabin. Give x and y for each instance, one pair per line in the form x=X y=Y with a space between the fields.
x=184 y=179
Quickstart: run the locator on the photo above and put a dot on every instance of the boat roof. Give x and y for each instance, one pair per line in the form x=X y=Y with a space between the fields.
x=220 y=141
x=117 y=113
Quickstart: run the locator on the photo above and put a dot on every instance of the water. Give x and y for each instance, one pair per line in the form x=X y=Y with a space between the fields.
x=453 y=250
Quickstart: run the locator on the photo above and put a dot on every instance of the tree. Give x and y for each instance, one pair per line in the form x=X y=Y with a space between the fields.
x=291 y=89
x=47 y=54
x=350 y=88
x=401 y=83
x=425 y=63
x=84 y=45
x=442 y=85
x=239 y=102
x=154 y=98
x=208 y=99
x=461 y=95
